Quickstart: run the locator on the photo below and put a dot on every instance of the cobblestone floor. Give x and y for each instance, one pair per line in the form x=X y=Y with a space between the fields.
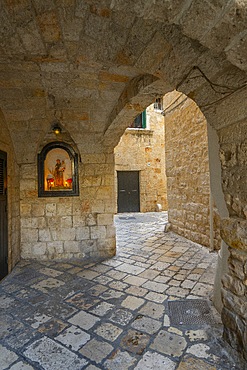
x=118 y=314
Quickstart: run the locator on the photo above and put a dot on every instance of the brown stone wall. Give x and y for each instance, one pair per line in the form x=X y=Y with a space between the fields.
x=13 y=195
x=144 y=150
x=234 y=313
x=233 y=155
x=70 y=227
x=187 y=168
x=233 y=152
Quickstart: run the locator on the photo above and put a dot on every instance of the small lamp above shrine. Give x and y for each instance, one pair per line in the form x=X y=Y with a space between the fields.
x=56 y=128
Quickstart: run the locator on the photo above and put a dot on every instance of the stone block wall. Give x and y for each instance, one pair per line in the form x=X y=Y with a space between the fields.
x=144 y=150
x=187 y=168
x=70 y=227
x=13 y=195
x=234 y=313
x=233 y=155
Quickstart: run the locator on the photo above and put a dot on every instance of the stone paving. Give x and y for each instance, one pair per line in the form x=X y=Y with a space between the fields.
x=116 y=314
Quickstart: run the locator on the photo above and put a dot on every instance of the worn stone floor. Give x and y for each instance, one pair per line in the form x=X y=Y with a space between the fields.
x=147 y=308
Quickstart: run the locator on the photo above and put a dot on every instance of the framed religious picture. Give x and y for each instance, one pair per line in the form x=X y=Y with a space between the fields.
x=58 y=171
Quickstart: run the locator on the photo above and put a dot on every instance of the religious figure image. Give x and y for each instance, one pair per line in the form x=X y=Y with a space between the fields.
x=58 y=173
x=58 y=170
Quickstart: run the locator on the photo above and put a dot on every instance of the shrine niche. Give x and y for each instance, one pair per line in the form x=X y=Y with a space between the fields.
x=58 y=170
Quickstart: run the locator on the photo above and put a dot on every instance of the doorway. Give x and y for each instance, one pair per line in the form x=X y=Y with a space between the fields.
x=3 y=216
x=128 y=191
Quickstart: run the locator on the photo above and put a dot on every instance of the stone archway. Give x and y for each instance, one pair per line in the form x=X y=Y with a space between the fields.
x=91 y=64
x=227 y=146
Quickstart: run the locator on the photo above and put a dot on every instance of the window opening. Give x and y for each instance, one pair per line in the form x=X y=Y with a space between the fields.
x=140 y=121
x=158 y=104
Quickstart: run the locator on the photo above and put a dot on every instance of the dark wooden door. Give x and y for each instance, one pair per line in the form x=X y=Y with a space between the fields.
x=128 y=191
x=3 y=216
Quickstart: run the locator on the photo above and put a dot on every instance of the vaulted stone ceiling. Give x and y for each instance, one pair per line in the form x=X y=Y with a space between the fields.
x=94 y=64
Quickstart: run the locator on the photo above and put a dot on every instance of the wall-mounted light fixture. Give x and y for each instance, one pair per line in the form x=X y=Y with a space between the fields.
x=56 y=128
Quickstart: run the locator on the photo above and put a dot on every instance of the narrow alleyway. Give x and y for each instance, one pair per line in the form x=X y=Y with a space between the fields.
x=147 y=308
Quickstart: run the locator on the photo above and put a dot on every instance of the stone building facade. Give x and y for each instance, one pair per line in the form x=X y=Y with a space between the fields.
x=191 y=211
x=143 y=150
x=94 y=66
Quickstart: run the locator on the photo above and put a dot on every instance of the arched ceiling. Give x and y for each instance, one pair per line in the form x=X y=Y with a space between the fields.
x=82 y=61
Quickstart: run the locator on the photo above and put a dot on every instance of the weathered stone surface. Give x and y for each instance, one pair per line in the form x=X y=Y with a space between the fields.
x=121 y=317
x=154 y=310
x=146 y=324
x=108 y=331
x=234 y=328
x=155 y=361
x=21 y=366
x=169 y=344
x=199 y=350
x=84 y=320
x=191 y=363
x=119 y=360
x=7 y=357
x=40 y=352
x=234 y=285
x=195 y=335
x=96 y=350
x=132 y=302
x=46 y=285
x=235 y=303
x=135 y=342
x=73 y=338
x=233 y=157
x=234 y=233
x=187 y=168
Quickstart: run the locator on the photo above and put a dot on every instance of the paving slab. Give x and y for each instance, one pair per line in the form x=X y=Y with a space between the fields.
x=84 y=320
x=7 y=357
x=120 y=360
x=53 y=356
x=96 y=350
x=169 y=344
x=73 y=338
x=108 y=331
x=152 y=360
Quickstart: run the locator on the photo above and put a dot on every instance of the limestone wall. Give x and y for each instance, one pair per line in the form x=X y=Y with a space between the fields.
x=70 y=227
x=144 y=150
x=187 y=168
x=233 y=155
x=13 y=195
x=234 y=313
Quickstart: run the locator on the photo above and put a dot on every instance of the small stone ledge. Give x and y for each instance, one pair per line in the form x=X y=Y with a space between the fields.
x=234 y=232
x=139 y=131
